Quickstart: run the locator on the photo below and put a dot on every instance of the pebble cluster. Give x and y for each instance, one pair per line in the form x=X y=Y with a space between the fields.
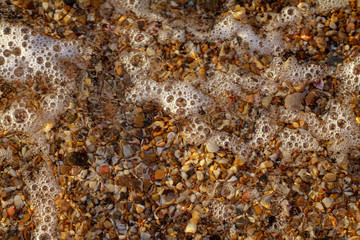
x=179 y=119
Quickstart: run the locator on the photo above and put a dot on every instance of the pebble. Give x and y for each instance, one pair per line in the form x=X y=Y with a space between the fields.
x=212 y=146
x=266 y=101
x=319 y=206
x=107 y=224
x=331 y=33
x=104 y=171
x=329 y=177
x=127 y=151
x=18 y=202
x=140 y=208
x=266 y=201
x=145 y=235
x=159 y=174
x=327 y=202
x=11 y=211
x=258 y=210
x=191 y=228
x=333 y=25
x=64 y=206
x=294 y=101
x=321 y=43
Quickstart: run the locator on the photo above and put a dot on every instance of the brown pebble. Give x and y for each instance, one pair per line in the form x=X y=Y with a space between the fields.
x=64 y=169
x=294 y=101
x=350 y=27
x=11 y=211
x=64 y=206
x=321 y=43
x=159 y=174
x=139 y=118
x=353 y=41
x=258 y=210
x=107 y=224
x=329 y=177
x=311 y=98
x=104 y=171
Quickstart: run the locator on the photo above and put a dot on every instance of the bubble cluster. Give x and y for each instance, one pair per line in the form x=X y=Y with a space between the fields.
x=232 y=143
x=136 y=64
x=220 y=83
x=288 y=16
x=349 y=74
x=295 y=73
x=297 y=140
x=178 y=99
x=24 y=53
x=340 y=128
x=227 y=28
x=24 y=56
x=19 y=118
x=223 y=212
x=265 y=129
x=272 y=43
x=328 y=5
x=337 y=127
x=44 y=191
x=198 y=132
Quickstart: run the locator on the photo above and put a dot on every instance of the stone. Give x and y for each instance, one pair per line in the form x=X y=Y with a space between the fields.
x=311 y=98
x=327 y=202
x=145 y=235
x=64 y=206
x=140 y=208
x=18 y=202
x=107 y=224
x=321 y=43
x=319 y=206
x=294 y=101
x=11 y=211
x=159 y=174
x=104 y=171
x=329 y=177
x=212 y=146
x=258 y=210
x=190 y=228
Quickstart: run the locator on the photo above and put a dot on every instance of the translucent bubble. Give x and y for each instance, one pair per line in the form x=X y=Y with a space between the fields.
x=20 y=115
x=19 y=72
x=7 y=120
x=44 y=228
x=169 y=99
x=47 y=218
x=180 y=102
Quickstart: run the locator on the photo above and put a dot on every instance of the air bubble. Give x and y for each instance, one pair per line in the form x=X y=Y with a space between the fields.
x=139 y=37
x=7 y=31
x=7 y=53
x=39 y=60
x=19 y=72
x=17 y=51
x=47 y=218
x=44 y=228
x=20 y=115
x=7 y=120
x=181 y=102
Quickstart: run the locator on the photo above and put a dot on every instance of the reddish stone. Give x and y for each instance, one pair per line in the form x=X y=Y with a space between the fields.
x=11 y=211
x=104 y=171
